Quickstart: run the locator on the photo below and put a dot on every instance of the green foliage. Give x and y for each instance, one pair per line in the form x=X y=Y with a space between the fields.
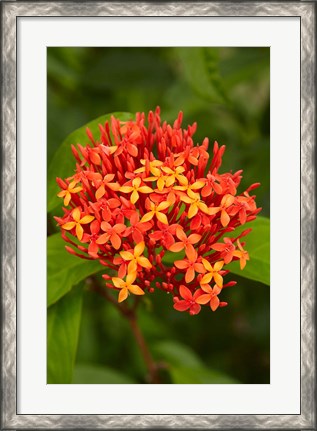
x=62 y=164
x=186 y=367
x=95 y=374
x=224 y=90
x=200 y=67
x=64 y=270
x=258 y=246
x=63 y=320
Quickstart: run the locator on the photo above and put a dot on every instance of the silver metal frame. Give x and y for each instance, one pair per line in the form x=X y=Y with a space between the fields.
x=10 y=11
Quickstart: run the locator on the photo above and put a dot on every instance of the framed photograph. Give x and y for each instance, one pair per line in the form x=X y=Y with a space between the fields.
x=158 y=216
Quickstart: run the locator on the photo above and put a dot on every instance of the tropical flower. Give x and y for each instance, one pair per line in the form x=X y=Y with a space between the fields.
x=155 y=209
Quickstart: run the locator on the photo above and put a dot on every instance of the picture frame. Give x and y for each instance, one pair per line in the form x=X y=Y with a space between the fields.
x=10 y=14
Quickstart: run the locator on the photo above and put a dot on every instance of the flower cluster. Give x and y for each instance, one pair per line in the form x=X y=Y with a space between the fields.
x=150 y=205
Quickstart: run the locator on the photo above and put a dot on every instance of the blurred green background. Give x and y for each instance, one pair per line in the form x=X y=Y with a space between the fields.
x=227 y=92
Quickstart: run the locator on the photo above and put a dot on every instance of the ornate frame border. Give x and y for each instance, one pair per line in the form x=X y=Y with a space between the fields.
x=9 y=13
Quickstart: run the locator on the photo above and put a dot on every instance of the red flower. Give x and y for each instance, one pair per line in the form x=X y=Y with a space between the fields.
x=112 y=234
x=210 y=296
x=137 y=229
x=139 y=191
x=191 y=265
x=189 y=300
x=185 y=242
x=165 y=234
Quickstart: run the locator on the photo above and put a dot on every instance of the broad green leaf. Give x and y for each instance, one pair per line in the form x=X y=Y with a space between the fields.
x=96 y=374
x=64 y=270
x=177 y=354
x=186 y=367
x=184 y=375
x=200 y=70
x=63 y=321
x=258 y=247
x=63 y=162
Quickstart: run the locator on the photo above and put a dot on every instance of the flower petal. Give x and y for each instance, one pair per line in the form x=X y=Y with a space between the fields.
x=143 y=261
x=115 y=240
x=147 y=217
x=87 y=219
x=100 y=192
x=207 y=264
x=145 y=189
x=139 y=249
x=178 y=246
x=181 y=305
x=134 y=197
x=118 y=282
x=185 y=292
x=131 y=277
x=192 y=211
x=68 y=226
x=214 y=303
x=79 y=231
x=103 y=238
x=218 y=279
x=162 y=217
x=203 y=299
x=67 y=199
x=76 y=214
x=181 y=264
x=190 y=274
x=194 y=238
x=206 y=278
x=136 y=290
x=126 y=189
x=126 y=255
x=123 y=294
x=224 y=218
x=136 y=182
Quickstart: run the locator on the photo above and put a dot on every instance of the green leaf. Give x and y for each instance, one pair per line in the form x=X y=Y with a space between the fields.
x=63 y=163
x=184 y=375
x=63 y=321
x=65 y=270
x=170 y=257
x=96 y=374
x=200 y=68
x=258 y=247
x=186 y=367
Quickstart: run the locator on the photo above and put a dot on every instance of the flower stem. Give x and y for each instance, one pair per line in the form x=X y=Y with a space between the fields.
x=131 y=315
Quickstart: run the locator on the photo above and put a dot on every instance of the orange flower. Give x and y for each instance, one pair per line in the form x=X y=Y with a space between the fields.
x=135 y=189
x=152 y=167
x=172 y=176
x=191 y=265
x=195 y=203
x=212 y=272
x=67 y=193
x=242 y=254
x=210 y=296
x=135 y=258
x=189 y=300
x=78 y=223
x=112 y=233
x=226 y=201
x=146 y=189
x=106 y=182
x=187 y=187
x=127 y=286
x=185 y=242
x=155 y=210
